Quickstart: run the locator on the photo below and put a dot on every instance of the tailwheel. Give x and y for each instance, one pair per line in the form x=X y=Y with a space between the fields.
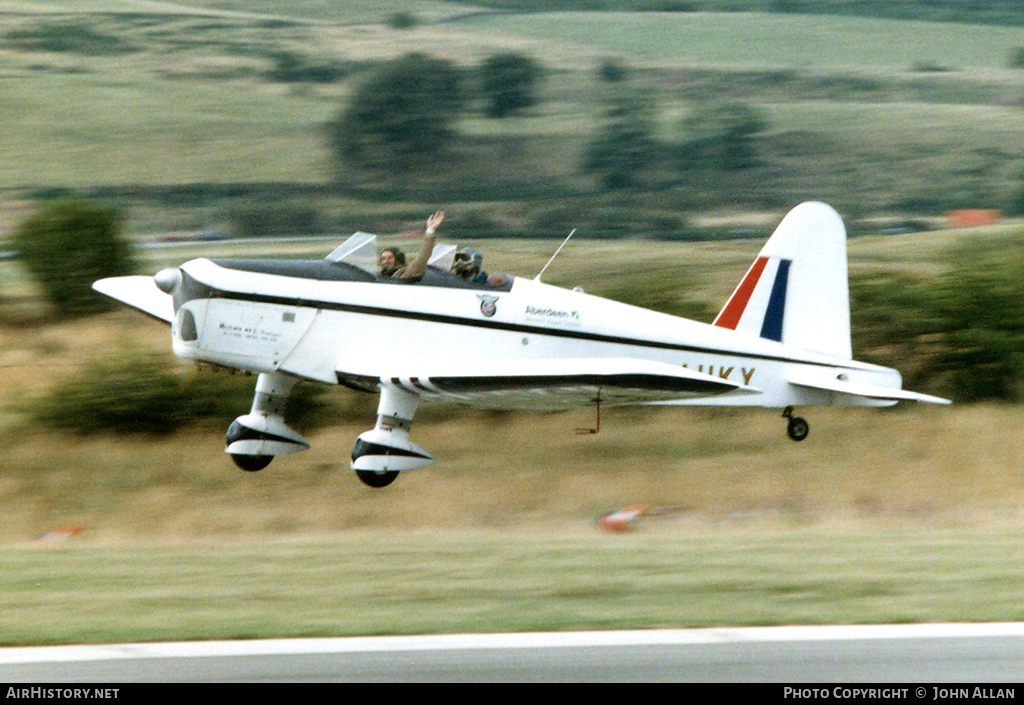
x=251 y=463
x=798 y=428
x=377 y=478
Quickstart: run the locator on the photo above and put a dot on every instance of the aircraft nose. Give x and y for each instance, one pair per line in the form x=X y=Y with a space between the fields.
x=167 y=280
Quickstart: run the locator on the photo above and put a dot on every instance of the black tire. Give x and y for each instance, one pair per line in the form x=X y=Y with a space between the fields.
x=798 y=428
x=377 y=479
x=251 y=463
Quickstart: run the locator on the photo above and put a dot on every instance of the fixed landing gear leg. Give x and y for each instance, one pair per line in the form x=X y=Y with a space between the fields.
x=381 y=453
x=254 y=439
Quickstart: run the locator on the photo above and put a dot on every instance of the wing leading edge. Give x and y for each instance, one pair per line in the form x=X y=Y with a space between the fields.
x=549 y=385
x=138 y=292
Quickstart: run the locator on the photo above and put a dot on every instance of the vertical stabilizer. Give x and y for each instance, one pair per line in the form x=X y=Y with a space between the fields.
x=796 y=292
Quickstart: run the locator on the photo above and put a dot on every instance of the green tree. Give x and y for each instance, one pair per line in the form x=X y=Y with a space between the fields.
x=400 y=117
x=67 y=246
x=625 y=147
x=722 y=135
x=509 y=83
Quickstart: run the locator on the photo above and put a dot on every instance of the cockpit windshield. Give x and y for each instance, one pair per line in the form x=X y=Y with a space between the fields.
x=360 y=250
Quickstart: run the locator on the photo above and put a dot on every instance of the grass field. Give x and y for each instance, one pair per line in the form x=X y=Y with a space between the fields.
x=351 y=11
x=122 y=131
x=370 y=583
x=772 y=40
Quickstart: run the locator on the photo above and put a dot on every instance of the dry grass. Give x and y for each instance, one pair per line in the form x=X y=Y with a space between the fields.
x=924 y=468
x=35 y=355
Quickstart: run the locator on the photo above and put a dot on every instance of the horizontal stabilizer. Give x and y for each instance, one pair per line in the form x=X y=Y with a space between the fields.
x=539 y=384
x=862 y=389
x=138 y=292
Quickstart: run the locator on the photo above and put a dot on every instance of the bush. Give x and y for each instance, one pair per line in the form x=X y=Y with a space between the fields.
x=982 y=302
x=1015 y=202
x=127 y=394
x=612 y=71
x=290 y=67
x=147 y=393
x=896 y=321
x=402 y=20
x=67 y=246
x=960 y=335
x=68 y=37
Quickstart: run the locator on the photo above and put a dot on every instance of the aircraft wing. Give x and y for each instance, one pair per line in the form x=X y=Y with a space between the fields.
x=138 y=292
x=549 y=385
x=861 y=389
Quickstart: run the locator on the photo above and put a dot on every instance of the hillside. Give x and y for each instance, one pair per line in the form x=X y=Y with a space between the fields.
x=874 y=115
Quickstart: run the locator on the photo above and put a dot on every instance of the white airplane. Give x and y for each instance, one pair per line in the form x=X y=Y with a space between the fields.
x=781 y=341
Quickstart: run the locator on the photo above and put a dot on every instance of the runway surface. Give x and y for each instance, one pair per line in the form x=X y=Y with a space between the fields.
x=913 y=655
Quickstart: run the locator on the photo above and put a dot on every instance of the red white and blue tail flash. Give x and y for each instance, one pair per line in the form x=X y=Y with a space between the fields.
x=759 y=303
x=796 y=292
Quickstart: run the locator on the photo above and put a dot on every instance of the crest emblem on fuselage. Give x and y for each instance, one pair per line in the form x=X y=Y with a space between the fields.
x=488 y=304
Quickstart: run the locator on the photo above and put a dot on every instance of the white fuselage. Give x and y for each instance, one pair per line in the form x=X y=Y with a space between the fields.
x=275 y=322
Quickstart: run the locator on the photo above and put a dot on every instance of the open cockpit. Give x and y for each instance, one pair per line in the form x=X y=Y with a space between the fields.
x=356 y=260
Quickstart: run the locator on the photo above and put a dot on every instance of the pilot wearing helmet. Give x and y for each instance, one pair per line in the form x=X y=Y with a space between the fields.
x=467 y=265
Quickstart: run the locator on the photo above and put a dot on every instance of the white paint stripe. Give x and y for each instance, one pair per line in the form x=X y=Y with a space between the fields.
x=539 y=640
